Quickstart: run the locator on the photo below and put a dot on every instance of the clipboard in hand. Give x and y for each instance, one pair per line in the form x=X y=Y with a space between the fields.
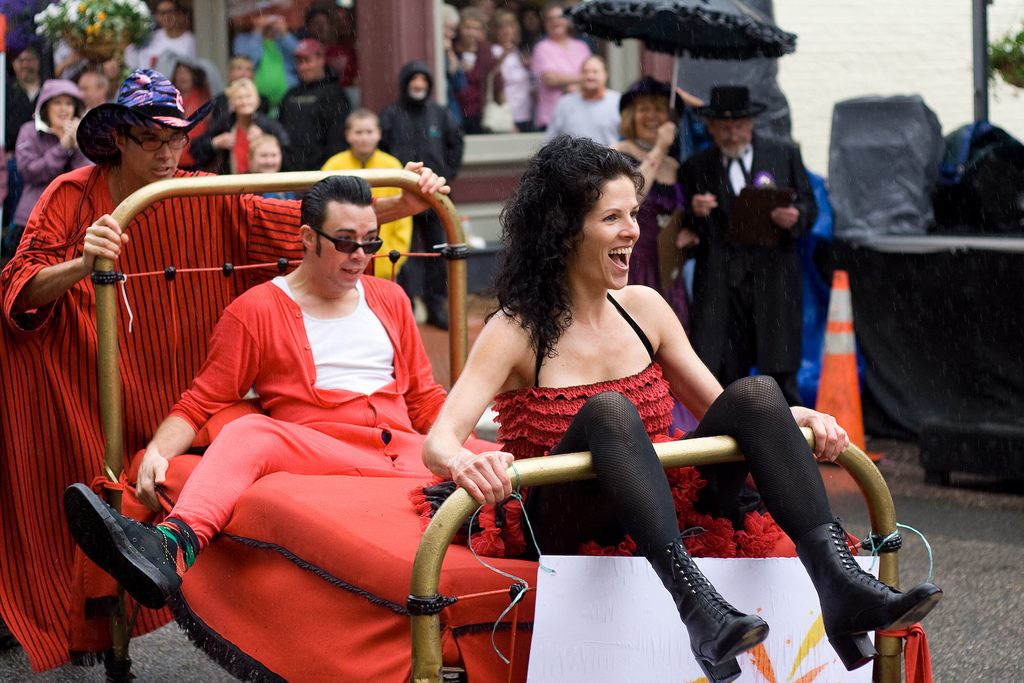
x=750 y=224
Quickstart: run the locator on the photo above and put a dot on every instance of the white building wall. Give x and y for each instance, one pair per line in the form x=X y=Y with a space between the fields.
x=888 y=47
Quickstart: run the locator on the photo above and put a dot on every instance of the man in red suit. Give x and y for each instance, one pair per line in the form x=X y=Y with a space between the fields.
x=340 y=371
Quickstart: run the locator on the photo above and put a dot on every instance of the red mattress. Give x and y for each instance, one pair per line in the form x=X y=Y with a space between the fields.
x=309 y=582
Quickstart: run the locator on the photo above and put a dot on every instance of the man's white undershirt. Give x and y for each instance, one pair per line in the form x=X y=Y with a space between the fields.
x=353 y=352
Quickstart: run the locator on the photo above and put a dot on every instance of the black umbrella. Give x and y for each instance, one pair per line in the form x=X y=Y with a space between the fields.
x=703 y=29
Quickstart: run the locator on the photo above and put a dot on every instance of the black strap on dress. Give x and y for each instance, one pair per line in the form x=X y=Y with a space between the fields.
x=629 y=319
x=633 y=324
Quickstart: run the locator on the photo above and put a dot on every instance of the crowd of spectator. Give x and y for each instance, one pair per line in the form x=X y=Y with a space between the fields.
x=528 y=54
x=290 y=94
x=298 y=87
x=292 y=86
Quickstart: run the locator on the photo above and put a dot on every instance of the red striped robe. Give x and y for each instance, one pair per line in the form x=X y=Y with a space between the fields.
x=50 y=433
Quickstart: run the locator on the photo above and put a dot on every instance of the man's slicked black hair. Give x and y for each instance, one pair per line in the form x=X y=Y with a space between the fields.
x=346 y=189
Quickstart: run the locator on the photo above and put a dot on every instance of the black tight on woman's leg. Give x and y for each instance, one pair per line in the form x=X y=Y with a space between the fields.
x=632 y=487
x=754 y=412
x=631 y=493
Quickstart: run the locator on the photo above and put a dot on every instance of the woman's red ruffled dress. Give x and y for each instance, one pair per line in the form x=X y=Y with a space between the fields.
x=532 y=421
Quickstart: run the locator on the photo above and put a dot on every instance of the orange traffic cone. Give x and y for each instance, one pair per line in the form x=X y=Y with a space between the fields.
x=838 y=388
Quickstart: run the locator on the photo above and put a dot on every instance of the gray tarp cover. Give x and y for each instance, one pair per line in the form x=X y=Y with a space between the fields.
x=883 y=165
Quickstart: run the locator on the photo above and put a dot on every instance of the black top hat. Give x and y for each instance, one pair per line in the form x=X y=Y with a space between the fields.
x=730 y=102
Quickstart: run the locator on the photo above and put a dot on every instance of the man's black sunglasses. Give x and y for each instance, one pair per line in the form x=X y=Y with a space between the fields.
x=347 y=245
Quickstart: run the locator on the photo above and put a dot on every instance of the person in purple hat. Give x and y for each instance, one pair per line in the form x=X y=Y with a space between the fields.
x=50 y=433
x=746 y=293
x=648 y=130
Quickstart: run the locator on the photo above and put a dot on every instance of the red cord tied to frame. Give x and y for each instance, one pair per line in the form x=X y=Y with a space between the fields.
x=916 y=653
x=101 y=483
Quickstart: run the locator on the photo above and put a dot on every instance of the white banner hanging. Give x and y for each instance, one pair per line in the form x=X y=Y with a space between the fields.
x=605 y=619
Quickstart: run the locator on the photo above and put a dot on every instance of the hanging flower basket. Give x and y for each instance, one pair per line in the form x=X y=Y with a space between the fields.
x=97 y=50
x=1006 y=58
x=97 y=29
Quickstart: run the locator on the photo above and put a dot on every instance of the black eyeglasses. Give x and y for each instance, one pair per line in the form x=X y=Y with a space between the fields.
x=152 y=143
x=347 y=245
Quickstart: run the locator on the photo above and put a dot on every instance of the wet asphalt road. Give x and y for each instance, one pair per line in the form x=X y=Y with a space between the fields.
x=976 y=531
x=975 y=528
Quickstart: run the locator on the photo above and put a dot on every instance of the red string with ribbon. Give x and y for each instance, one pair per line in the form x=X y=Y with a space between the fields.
x=916 y=654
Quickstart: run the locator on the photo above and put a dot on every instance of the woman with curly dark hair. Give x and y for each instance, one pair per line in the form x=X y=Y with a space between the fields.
x=580 y=361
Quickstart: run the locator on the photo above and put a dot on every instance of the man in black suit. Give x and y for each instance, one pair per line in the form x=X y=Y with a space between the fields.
x=747 y=292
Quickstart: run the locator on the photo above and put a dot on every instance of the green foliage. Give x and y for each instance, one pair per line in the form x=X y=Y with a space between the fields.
x=1006 y=58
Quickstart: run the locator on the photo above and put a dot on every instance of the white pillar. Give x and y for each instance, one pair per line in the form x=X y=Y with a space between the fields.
x=210 y=26
x=623 y=64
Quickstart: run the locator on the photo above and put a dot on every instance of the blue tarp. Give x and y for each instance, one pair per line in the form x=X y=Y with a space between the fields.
x=816 y=295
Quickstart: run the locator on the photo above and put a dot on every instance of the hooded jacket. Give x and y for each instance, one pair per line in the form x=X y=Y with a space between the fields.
x=421 y=130
x=39 y=154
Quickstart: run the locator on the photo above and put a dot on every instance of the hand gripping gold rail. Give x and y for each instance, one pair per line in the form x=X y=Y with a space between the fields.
x=426 y=570
x=109 y=379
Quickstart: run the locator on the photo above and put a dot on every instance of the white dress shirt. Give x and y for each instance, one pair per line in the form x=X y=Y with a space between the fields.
x=737 y=173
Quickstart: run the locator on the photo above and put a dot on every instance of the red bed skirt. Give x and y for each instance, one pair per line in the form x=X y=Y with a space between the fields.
x=310 y=578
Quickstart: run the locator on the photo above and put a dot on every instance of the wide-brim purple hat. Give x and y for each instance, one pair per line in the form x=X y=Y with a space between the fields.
x=648 y=86
x=145 y=98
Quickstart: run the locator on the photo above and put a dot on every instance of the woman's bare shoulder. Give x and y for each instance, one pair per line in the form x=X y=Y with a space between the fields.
x=505 y=344
x=649 y=309
x=505 y=335
x=640 y=296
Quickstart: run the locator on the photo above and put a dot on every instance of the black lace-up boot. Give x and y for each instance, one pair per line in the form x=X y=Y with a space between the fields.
x=147 y=560
x=718 y=631
x=852 y=601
